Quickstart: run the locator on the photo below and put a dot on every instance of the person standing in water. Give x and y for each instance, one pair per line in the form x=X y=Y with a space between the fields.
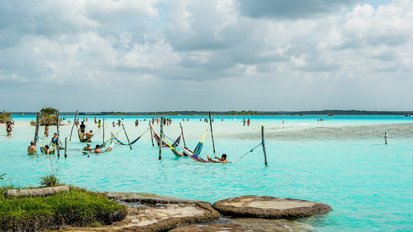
x=46 y=130
x=248 y=122
x=31 y=149
x=99 y=123
x=385 y=137
x=9 y=127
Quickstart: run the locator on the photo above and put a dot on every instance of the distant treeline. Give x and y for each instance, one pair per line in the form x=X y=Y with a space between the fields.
x=233 y=112
x=175 y=113
x=351 y=112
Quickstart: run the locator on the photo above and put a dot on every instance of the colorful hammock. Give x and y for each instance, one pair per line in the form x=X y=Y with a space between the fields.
x=175 y=144
x=43 y=150
x=84 y=140
x=134 y=141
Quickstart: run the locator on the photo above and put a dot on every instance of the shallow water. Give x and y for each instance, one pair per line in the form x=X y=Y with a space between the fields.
x=342 y=162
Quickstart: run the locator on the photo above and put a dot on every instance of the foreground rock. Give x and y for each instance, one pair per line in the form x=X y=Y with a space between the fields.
x=271 y=225
x=160 y=216
x=270 y=207
x=147 y=198
x=215 y=227
x=35 y=192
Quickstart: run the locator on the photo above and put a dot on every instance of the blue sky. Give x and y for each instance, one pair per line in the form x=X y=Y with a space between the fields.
x=161 y=55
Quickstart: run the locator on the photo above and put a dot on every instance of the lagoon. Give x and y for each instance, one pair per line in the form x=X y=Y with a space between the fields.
x=342 y=162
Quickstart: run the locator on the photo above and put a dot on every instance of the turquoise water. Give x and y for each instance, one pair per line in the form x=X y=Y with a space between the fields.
x=342 y=162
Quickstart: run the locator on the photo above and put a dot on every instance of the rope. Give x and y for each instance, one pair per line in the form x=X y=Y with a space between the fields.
x=247 y=153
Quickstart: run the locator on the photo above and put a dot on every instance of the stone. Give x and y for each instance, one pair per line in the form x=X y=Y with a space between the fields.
x=270 y=207
x=215 y=228
x=35 y=192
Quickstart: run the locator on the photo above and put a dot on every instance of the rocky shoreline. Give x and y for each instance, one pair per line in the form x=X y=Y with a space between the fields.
x=152 y=212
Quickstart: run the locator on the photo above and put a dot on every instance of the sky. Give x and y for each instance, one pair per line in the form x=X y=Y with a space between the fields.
x=218 y=55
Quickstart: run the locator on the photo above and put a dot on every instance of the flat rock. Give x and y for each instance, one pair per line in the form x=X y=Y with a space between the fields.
x=272 y=225
x=214 y=228
x=162 y=218
x=147 y=198
x=270 y=207
x=35 y=192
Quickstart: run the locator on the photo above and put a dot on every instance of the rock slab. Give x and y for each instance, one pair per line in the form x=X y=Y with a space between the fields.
x=35 y=192
x=270 y=207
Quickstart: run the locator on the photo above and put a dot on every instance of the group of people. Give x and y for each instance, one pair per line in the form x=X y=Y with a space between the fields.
x=90 y=149
x=166 y=121
x=248 y=122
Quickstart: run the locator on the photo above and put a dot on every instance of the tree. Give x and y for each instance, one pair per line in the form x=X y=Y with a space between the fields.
x=48 y=111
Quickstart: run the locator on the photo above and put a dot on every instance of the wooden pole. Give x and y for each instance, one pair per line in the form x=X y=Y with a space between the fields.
x=70 y=139
x=263 y=145
x=212 y=133
x=127 y=136
x=58 y=134
x=66 y=147
x=103 y=131
x=36 y=133
x=150 y=128
x=160 y=140
x=182 y=131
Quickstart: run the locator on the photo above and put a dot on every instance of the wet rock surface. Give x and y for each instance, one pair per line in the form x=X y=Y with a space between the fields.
x=270 y=207
x=215 y=227
x=280 y=225
x=147 y=199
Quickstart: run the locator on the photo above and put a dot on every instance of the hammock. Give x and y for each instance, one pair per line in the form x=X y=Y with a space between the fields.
x=84 y=140
x=134 y=141
x=175 y=144
x=43 y=150
x=111 y=145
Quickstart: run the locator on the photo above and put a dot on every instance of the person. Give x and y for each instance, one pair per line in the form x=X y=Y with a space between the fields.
x=183 y=153
x=157 y=120
x=47 y=152
x=9 y=127
x=46 y=130
x=222 y=119
x=223 y=159
x=248 y=122
x=243 y=122
x=113 y=123
x=88 y=148
x=86 y=119
x=136 y=122
x=187 y=119
x=119 y=122
x=82 y=128
x=89 y=134
x=153 y=121
x=31 y=149
x=55 y=140
x=385 y=137
x=97 y=149
x=99 y=123
x=95 y=121
x=77 y=123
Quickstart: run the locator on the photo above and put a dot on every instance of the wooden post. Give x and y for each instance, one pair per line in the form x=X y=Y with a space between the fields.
x=160 y=140
x=212 y=133
x=103 y=131
x=58 y=134
x=127 y=136
x=263 y=145
x=66 y=147
x=36 y=133
x=70 y=139
x=150 y=128
x=182 y=132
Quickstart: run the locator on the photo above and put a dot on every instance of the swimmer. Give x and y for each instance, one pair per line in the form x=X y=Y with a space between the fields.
x=31 y=149
x=223 y=159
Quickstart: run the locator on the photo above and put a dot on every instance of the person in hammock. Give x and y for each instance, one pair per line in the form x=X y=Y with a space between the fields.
x=223 y=159
x=89 y=134
x=184 y=154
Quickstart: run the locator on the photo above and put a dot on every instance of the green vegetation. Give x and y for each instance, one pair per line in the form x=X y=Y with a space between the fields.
x=49 y=180
x=1 y=176
x=48 y=116
x=78 y=207
x=192 y=113
x=4 y=116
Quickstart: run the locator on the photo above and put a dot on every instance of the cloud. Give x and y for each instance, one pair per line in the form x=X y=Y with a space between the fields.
x=292 y=9
x=232 y=53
